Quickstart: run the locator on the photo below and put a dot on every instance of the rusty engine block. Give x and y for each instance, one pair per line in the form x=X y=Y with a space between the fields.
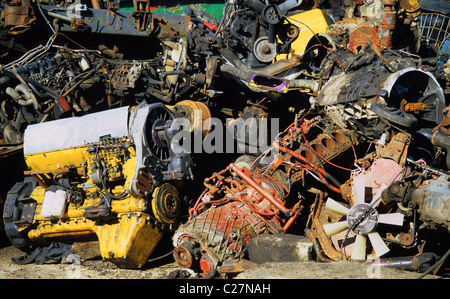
x=240 y=204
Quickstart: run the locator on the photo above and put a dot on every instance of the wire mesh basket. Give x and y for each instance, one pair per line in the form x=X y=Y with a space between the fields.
x=434 y=28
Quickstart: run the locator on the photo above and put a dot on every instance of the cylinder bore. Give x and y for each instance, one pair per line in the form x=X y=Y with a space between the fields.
x=309 y=155
x=328 y=143
x=319 y=149
x=339 y=137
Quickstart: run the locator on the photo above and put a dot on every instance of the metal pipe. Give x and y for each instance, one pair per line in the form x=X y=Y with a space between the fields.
x=261 y=190
x=288 y=5
x=95 y=4
x=411 y=263
x=57 y=16
x=302 y=159
x=24 y=100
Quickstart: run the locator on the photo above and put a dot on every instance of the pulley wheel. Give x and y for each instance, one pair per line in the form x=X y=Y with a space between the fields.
x=166 y=204
x=197 y=113
x=263 y=50
x=184 y=256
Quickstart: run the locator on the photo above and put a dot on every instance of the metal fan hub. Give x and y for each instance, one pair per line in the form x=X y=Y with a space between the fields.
x=364 y=217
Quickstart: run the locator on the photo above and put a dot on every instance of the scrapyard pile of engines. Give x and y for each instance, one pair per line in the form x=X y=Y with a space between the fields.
x=358 y=162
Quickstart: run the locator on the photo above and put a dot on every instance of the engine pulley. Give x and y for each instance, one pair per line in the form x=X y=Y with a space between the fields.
x=264 y=50
x=166 y=204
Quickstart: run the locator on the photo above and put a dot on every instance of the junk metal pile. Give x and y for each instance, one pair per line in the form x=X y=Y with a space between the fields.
x=355 y=91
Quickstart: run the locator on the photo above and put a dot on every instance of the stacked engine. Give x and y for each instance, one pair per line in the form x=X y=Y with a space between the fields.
x=111 y=173
x=359 y=88
x=359 y=160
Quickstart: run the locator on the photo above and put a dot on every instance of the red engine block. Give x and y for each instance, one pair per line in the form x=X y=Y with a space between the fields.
x=236 y=206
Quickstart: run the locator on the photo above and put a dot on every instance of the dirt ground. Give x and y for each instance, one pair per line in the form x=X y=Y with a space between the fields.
x=89 y=269
x=98 y=269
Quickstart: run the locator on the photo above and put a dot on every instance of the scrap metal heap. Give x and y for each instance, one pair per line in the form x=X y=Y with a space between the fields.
x=362 y=170
x=319 y=172
x=375 y=128
x=187 y=57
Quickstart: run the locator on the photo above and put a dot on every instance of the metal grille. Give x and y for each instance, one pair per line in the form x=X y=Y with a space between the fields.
x=434 y=28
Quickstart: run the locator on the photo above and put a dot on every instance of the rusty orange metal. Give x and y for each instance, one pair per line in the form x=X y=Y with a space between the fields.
x=19 y=15
x=361 y=35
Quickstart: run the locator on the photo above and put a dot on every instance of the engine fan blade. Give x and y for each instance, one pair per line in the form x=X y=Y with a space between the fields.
x=378 y=244
x=334 y=206
x=392 y=219
x=359 y=189
x=334 y=228
x=359 y=249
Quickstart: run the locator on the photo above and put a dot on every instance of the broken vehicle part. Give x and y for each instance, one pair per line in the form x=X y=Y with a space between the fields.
x=366 y=108
x=374 y=89
x=366 y=23
x=362 y=220
x=434 y=28
x=443 y=64
x=91 y=177
x=367 y=115
x=258 y=200
x=250 y=213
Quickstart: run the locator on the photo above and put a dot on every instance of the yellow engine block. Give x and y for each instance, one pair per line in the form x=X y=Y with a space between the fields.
x=106 y=176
